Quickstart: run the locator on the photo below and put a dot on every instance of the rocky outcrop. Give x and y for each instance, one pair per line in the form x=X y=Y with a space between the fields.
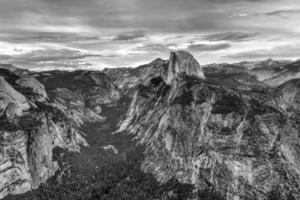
x=30 y=128
x=12 y=102
x=37 y=88
x=237 y=142
x=182 y=62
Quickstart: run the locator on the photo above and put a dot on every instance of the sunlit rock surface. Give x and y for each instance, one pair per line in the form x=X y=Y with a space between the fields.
x=12 y=102
x=30 y=128
x=238 y=142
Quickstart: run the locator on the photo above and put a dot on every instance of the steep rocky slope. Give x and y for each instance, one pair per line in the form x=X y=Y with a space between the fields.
x=31 y=127
x=237 y=142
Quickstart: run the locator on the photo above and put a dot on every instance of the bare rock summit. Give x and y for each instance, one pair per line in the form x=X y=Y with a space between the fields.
x=183 y=62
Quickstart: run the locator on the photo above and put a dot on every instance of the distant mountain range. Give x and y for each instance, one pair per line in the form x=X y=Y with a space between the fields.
x=233 y=128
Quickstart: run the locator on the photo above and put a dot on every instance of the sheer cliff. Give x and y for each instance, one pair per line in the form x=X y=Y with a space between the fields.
x=31 y=127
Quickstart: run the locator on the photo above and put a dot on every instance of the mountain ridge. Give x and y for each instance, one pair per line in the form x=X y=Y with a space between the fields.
x=219 y=127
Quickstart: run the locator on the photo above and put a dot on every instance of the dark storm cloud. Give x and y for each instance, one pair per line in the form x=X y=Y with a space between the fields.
x=230 y=36
x=130 y=35
x=208 y=47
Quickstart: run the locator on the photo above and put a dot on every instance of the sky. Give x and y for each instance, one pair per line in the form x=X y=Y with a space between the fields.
x=95 y=34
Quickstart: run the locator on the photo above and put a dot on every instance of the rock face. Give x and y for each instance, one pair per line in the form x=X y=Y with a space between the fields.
x=36 y=87
x=30 y=128
x=183 y=62
x=237 y=142
x=12 y=102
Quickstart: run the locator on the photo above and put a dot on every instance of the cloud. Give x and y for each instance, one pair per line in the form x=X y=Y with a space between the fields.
x=283 y=13
x=53 y=55
x=153 y=48
x=282 y=51
x=277 y=13
x=208 y=47
x=234 y=1
x=47 y=37
x=139 y=30
x=130 y=35
x=230 y=36
x=50 y=58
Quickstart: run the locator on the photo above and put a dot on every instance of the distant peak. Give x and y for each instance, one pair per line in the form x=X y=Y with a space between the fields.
x=157 y=60
x=183 y=62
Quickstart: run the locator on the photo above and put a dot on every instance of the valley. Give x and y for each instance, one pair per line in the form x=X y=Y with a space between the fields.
x=170 y=129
